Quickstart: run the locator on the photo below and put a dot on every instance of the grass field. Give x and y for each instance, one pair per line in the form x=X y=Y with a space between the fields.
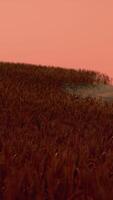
x=53 y=145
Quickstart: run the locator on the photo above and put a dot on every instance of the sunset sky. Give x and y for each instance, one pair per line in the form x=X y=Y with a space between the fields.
x=66 y=33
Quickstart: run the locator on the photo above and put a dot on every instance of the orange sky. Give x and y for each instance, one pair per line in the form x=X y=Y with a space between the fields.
x=66 y=33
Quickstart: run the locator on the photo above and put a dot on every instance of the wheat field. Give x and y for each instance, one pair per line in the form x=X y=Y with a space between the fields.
x=53 y=145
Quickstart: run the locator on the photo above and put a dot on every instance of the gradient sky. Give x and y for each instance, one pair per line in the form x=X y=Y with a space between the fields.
x=66 y=33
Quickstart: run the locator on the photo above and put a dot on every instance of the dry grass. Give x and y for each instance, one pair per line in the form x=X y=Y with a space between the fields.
x=53 y=146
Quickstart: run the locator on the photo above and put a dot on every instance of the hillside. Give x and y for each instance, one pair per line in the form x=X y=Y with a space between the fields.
x=53 y=145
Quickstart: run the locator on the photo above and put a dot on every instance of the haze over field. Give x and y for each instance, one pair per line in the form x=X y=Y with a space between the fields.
x=66 y=33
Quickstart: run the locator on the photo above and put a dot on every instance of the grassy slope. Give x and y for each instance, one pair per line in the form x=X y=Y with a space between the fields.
x=53 y=145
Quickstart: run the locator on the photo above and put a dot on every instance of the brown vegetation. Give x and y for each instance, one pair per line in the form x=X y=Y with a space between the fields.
x=53 y=146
